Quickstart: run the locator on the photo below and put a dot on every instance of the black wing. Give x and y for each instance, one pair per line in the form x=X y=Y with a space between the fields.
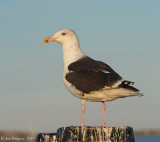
x=88 y=75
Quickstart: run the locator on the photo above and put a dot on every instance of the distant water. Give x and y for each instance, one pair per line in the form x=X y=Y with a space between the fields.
x=147 y=139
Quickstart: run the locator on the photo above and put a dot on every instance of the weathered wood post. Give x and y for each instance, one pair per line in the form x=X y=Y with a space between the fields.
x=46 y=137
x=89 y=134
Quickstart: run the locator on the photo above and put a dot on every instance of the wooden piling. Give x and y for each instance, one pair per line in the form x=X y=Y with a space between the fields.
x=46 y=137
x=89 y=134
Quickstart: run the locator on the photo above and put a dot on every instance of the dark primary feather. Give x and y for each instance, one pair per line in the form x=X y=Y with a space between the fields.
x=88 y=75
x=126 y=84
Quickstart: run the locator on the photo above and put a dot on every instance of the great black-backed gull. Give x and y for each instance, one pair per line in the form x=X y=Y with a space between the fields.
x=88 y=79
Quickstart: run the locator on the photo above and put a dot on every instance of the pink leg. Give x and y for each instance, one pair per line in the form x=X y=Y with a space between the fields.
x=103 y=109
x=83 y=112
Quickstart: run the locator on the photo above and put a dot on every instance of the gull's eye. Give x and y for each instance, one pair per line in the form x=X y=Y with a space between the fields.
x=63 y=34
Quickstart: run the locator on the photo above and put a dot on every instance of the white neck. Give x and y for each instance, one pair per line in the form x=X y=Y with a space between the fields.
x=71 y=53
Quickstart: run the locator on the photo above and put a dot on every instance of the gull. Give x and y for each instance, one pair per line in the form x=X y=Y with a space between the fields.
x=89 y=79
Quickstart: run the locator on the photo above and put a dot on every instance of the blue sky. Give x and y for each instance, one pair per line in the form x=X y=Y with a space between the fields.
x=124 y=34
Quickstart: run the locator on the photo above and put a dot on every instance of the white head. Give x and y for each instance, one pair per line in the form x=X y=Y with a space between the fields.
x=64 y=37
x=69 y=41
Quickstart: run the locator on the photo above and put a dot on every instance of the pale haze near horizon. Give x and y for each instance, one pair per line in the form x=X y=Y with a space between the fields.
x=123 y=34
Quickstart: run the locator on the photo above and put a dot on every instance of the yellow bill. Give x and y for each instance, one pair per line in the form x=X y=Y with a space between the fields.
x=45 y=40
